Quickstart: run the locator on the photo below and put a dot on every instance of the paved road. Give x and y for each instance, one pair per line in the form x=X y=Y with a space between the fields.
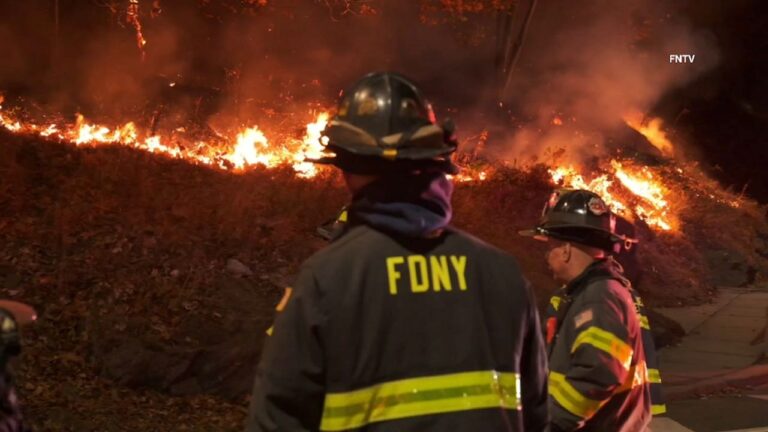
x=727 y=335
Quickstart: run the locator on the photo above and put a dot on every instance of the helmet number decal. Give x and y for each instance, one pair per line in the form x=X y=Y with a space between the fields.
x=597 y=206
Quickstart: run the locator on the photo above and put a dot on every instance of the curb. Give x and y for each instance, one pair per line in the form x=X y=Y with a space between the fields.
x=750 y=376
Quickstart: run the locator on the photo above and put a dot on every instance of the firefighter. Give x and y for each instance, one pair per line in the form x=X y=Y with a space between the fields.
x=12 y=316
x=402 y=323
x=600 y=373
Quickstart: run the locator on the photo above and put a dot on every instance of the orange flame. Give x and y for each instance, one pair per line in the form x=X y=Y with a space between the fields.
x=647 y=198
x=469 y=175
x=651 y=130
x=251 y=146
x=627 y=190
x=132 y=17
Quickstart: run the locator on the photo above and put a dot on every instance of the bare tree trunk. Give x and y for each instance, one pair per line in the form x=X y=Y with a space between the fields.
x=55 y=43
x=511 y=31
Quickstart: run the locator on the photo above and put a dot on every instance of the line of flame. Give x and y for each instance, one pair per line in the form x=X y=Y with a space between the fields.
x=251 y=146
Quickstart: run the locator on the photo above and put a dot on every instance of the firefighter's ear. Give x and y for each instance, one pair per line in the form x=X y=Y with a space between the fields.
x=567 y=252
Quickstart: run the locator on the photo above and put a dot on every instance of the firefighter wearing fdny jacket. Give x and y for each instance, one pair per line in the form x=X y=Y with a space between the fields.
x=12 y=316
x=600 y=373
x=402 y=323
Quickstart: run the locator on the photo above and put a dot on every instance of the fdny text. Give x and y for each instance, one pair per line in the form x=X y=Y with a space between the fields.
x=425 y=273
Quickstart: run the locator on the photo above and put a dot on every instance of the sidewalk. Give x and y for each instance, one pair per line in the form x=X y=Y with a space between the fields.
x=724 y=341
x=721 y=336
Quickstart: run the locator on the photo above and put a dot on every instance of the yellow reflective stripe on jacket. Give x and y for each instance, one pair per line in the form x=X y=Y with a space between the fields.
x=421 y=396
x=637 y=376
x=570 y=398
x=644 y=322
x=658 y=409
x=654 y=376
x=555 y=302
x=605 y=341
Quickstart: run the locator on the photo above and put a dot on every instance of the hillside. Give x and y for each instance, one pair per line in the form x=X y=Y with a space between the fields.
x=125 y=256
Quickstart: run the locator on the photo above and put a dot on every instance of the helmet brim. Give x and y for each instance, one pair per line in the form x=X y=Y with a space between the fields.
x=22 y=313
x=534 y=233
x=367 y=164
x=426 y=142
x=576 y=234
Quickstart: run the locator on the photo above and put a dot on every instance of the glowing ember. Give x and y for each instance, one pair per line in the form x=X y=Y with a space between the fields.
x=132 y=17
x=651 y=130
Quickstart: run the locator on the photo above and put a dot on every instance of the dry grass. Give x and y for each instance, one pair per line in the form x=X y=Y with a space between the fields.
x=97 y=238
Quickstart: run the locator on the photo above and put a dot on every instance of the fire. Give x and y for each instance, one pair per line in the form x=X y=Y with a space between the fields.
x=642 y=194
x=249 y=150
x=251 y=145
x=132 y=18
x=470 y=174
x=651 y=130
x=569 y=177
x=312 y=146
x=647 y=188
x=628 y=190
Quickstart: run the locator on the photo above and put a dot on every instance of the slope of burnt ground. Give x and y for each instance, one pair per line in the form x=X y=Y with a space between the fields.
x=155 y=279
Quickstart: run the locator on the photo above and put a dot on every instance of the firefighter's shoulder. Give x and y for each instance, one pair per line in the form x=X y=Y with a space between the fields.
x=355 y=240
x=607 y=290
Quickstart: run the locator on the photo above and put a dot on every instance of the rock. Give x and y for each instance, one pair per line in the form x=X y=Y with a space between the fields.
x=227 y=369
x=134 y=362
x=224 y=345
x=665 y=331
x=236 y=267
x=728 y=268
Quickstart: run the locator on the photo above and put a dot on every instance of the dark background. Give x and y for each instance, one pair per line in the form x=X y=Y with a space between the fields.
x=725 y=111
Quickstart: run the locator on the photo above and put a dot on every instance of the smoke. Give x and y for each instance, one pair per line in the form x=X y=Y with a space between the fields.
x=584 y=65
x=248 y=64
x=587 y=64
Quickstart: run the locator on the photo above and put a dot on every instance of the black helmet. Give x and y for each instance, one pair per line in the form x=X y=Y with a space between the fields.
x=384 y=118
x=579 y=216
x=10 y=345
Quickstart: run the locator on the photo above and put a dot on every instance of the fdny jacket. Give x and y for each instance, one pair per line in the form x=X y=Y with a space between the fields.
x=403 y=334
x=598 y=341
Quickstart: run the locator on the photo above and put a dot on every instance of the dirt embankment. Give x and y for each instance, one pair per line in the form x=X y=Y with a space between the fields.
x=145 y=318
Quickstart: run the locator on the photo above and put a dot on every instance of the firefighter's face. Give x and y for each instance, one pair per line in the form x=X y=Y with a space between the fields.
x=355 y=182
x=558 y=258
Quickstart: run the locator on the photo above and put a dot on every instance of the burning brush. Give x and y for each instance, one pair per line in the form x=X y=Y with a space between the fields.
x=631 y=189
x=242 y=150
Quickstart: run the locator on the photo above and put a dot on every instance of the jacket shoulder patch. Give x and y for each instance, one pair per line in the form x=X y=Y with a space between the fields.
x=583 y=318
